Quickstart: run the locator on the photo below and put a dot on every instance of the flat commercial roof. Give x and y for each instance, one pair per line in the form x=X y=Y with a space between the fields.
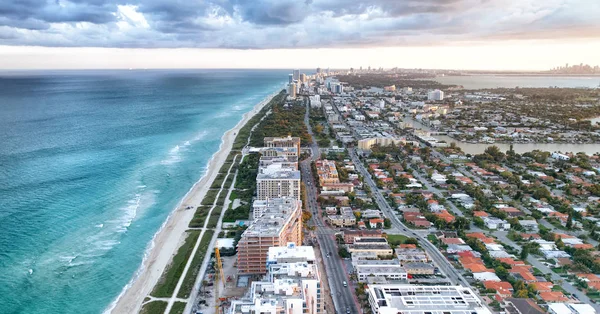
x=414 y=299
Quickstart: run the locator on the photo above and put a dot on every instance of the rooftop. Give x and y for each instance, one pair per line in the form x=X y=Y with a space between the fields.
x=291 y=251
x=276 y=214
x=413 y=299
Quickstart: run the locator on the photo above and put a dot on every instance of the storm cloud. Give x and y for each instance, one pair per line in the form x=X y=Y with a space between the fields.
x=264 y=24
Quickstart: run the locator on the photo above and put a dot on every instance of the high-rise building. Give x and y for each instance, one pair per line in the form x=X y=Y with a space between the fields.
x=287 y=141
x=275 y=181
x=435 y=95
x=292 y=285
x=279 y=224
x=290 y=78
x=318 y=70
x=302 y=77
x=292 y=90
x=296 y=75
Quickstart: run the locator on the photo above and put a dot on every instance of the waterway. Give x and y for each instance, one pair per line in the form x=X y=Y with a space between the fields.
x=478 y=148
x=512 y=81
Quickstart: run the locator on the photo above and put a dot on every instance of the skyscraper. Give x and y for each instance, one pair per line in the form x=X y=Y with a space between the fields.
x=318 y=70
x=291 y=79
x=296 y=75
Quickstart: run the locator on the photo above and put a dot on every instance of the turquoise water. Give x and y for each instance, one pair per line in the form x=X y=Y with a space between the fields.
x=91 y=165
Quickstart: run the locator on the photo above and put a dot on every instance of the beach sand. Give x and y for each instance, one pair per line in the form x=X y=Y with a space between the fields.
x=168 y=239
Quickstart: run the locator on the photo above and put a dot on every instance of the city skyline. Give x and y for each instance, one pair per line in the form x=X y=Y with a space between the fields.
x=457 y=34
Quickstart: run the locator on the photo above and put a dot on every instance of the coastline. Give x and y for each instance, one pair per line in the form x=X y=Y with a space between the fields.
x=171 y=234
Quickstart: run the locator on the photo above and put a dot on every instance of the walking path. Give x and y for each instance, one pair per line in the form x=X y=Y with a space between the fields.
x=173 y=298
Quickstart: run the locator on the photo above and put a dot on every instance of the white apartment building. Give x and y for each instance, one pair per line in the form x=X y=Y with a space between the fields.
x=276 y=181
x=435 y=95
x=292 y=285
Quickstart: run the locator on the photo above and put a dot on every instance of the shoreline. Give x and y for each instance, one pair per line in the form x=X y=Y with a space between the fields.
x=169 y=237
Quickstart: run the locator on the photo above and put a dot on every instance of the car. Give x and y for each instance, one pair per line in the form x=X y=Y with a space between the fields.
x=347 y=310
x=345 y=284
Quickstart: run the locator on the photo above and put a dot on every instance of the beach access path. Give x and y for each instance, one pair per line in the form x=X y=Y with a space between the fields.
x=171 y=235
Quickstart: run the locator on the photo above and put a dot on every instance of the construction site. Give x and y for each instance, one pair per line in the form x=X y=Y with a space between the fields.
x=220 y=285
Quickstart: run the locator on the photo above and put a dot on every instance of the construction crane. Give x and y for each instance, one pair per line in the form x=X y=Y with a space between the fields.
x=218 y=276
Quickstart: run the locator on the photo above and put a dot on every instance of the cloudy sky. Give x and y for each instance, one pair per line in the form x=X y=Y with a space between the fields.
x=494 y=34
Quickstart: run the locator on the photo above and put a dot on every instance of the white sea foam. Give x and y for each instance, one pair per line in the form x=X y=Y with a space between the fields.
x=152 y=243
x=175 y=153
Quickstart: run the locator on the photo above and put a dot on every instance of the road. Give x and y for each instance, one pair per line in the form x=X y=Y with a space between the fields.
x=557 y=279
x=440 y=260
x=343 y=297
x=398 y=227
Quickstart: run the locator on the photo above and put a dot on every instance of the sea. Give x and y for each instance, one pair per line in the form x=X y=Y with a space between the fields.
x=91 y=165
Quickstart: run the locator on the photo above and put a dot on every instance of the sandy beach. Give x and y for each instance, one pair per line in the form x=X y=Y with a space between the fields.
x=168 y=239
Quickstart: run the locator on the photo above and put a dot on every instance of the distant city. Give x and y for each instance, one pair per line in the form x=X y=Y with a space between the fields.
x=576 y=69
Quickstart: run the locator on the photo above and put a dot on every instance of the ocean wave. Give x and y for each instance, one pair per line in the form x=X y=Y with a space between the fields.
x=175 y=154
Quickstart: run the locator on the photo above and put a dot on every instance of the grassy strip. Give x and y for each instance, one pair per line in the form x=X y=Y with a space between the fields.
x=213 y=220
x=178 y=308
x=190 y=277
x=210 y=197
x=222 y=197
x=218 y=181
x=199 y=217
x=167 y=282
x=154 y=307
x=225 y=168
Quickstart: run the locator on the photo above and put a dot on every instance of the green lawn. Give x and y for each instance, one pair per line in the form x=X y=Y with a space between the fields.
x=178 y=308
x=199 y=217
x=210 y=197
x=396 y=239
x=154 y=307
x=190 y=277
x=167 y=282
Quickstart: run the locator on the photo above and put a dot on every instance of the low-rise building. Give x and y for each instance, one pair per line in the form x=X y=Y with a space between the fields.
x=380 y=269
x=350 y=235
x=496 y=223
x=378 y=246
x=415 y=299
x=419 y=268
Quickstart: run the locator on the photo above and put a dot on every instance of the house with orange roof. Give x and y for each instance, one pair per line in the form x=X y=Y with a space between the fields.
x=464 y=180
x=503 y=288
x=562 y=217
x=479 y=213
x=554 y=296
x=510 y=261
x=374 y=222
x=584 y=246
x=374 y=166
x=511 y=211
x=445 y=215
x=477 y=268
x=408 y=246
x=544 y=286
x=523 y=273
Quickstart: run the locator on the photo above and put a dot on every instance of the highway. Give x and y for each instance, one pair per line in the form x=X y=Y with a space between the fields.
x=343 y=297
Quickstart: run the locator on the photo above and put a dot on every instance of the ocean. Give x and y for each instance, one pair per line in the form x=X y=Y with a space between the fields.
x=91 y=165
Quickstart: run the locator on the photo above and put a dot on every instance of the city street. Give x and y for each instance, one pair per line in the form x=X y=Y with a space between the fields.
x=343 y=297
